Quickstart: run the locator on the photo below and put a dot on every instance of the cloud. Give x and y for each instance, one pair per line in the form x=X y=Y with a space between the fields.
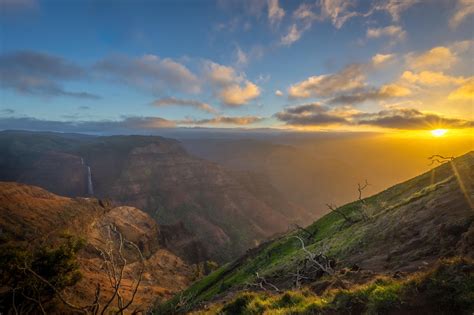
x=232 y=88
x=464 y=8
x=410 y=119
x=385 y=92
x=431 y=78
x=380 y=59
x=125 y=125
x=316 y=115
x=278 y=93
x=338 y=11
x=7 y=111
x=171 y=101
x=392 y=31
x=305 y=12
x=313 y=114
x=350 y=78
x=463 y=46
x=395 y=7
x=275 y=12
x=223 y=120
x=237 y=95
x=241 y=57
x=149 y=72
x=437 y=58
x=83 y=108
x=293 y=34
x=463 y=93
x=29 y=72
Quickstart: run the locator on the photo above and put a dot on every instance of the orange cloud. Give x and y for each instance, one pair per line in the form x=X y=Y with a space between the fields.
x=463 y=93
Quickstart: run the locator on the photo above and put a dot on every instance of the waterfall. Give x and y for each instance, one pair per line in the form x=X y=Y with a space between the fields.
x=82 y=161
x=90 y=188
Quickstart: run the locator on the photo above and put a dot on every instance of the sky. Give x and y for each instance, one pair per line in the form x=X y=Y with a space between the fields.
x=321 y=65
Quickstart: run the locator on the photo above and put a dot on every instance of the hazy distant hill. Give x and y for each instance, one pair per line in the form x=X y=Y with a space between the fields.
x=311 y=170
x=409 y=227
x=227 y=211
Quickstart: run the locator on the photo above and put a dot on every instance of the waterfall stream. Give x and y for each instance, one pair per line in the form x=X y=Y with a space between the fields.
x=90 y=187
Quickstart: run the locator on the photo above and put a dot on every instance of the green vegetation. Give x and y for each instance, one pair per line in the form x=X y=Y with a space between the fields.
x=21 y=267
x=277 y=259
x=446 y=289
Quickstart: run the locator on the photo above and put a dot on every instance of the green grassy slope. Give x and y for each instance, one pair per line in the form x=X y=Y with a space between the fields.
x=410 y=225
x=447 y=288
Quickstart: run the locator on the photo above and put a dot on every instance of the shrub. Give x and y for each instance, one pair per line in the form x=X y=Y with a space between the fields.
x=57 y=265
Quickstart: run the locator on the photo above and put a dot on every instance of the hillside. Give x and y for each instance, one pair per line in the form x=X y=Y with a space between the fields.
x=409 y=227
x=225 y=211
x=311 y=170
x=33 y=217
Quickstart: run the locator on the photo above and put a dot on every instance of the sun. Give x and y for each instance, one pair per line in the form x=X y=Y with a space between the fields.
x=439 y=132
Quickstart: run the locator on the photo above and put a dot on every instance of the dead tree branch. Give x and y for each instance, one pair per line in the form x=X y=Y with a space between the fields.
x=308 y=233
x=362 y=202
x=335 y=209
x=83 y=309
x=319 y=260
x=114 y=263
x=263 y=283
x=115 y=266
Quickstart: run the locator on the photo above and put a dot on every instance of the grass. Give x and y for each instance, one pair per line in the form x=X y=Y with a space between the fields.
x=448 y=288
x=279 y=257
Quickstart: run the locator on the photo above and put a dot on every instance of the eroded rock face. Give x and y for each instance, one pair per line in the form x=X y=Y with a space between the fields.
x=31 y=214
x=225 y=212
x=64 y=173
x=174 y=187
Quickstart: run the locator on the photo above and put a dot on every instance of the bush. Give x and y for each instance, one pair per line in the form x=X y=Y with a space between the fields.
x=57 y=265
x=238 y=306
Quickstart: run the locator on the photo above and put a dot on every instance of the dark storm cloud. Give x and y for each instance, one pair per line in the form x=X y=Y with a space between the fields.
x=30 y=72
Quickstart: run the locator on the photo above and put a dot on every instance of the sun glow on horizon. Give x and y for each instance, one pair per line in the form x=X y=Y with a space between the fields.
x=439 y=132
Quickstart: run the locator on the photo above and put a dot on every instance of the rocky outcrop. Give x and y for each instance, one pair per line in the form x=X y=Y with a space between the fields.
x=32 y=215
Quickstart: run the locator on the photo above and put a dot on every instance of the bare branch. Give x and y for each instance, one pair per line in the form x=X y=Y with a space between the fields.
x=335 y=209
x=13 y=301
x=58 y=294
x=323 y=266
x=306 y=231
x=363 y=204
x=140 y=275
